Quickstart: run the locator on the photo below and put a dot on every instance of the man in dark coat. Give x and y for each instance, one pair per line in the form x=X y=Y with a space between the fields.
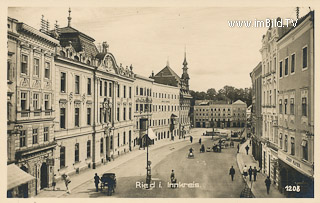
x=255 y=171
x=96 y=181
x=268 y=183
x=238 y=147
x=191 y=139
x=250 y=173
x=247 y=149
x=232 y=172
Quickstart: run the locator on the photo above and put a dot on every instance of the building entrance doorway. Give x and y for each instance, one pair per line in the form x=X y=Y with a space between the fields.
x=43 y=176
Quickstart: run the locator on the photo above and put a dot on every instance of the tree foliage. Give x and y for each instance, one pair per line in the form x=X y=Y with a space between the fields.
x=227 y=93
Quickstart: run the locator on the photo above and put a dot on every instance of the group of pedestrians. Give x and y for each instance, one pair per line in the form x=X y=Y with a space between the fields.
x=249 y=172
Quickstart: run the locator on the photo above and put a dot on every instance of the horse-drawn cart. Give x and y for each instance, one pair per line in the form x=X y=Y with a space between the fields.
x=108 y=182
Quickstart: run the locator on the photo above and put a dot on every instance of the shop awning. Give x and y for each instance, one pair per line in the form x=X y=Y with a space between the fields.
x=16 y=176
x=151 y=134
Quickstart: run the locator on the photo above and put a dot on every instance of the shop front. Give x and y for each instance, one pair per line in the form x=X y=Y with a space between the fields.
x=296 y=177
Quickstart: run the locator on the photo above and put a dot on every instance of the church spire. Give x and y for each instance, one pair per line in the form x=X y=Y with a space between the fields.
x=185 y=63
x=69 y=18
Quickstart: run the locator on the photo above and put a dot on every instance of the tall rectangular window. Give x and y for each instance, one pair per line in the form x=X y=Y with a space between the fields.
x=101 y=146
x=130 y=113
x=286 y=143
x=77 y=84
x=88 y=116
x=111 y=142
x=124 y=138
x=280 y=106
x=36 y=101
x=124 y=91
x=292 y=146
x=137 y=90
x=36 y=64
x=280 y=69
x=24 y=64
x=286 y=64
x=63 y=81
x=280 y=139
x=118 y=90
x=101 y=115
x=304 y=106
x=285 y=106
x=293 y=62
x=76 y=117
x=47 y=70
x=46 y=102
x=101 y=88
x=62 y=157
x=141 y=107
x=76 y=152
x=305 y=149
x=105 y=89
x=46 y=134
x=62 y=118
x=118 y=139
x=118 y=114
x=89 y=86
x=141 y=91
x=23 y=101
x=137 y=107
x=110 y=89
x=88 y=148
x=34 y=136
x=292 y=106
x=23 y=138
x=305 y=57
x=130 y=90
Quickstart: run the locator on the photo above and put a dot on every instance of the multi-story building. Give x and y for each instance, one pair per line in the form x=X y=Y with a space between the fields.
x=296 y=108
x=269 y=53
x=30 y=106
x=94 y=99
x=168 y=77
x=219 y=114
x=165 y=111
x=256 y=127
x=143 y=110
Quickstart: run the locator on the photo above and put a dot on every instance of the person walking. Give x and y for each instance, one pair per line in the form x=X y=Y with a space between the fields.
x=238 y=146
x=245 y=172
x=232 y=172
x=96 y=181
x=191 y=138
x=200 y=141
x=255 y=174
x=250 y=172
x=268 y=183
x=67 y=181
x=247 y=149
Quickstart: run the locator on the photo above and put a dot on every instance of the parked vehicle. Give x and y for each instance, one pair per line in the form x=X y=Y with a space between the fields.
x=109 y=182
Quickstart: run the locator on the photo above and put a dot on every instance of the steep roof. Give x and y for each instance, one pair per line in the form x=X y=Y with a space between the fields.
x=167 y=77
x=80 y=41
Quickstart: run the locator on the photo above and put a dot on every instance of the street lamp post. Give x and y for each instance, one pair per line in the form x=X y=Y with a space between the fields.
x=148 y=178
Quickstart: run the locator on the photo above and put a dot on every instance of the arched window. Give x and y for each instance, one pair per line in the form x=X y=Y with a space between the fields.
x=76 y=58
x=62 y=54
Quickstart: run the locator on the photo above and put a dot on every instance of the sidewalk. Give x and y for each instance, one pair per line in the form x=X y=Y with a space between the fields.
x=88 y=174
x=258 y=187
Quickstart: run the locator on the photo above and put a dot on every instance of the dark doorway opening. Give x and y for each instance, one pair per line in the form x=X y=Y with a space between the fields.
x=44 y=176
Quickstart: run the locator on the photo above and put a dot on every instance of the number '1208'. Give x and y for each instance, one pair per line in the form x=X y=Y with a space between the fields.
x=294 y=188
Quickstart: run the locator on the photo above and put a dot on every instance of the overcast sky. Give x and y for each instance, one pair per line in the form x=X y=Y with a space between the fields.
x=217 y=55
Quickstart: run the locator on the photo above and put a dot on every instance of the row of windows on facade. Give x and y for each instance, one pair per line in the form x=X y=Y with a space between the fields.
x=155 y=108
x=148 y=92
x=35 y=136
x=159 y=122
x=293 y=63
x=35 y=101
x=269 y=67
x=103 y=116
x=25 y=67
x=284 y=108
x=77 y=149
x=218 y=109
x=216 y=120
x=205 y=114
x=284 y=145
